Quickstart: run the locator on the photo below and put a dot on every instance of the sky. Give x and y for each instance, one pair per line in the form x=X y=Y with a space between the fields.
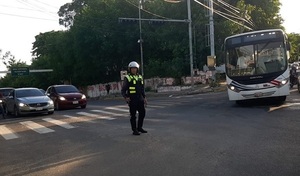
x=22 y=20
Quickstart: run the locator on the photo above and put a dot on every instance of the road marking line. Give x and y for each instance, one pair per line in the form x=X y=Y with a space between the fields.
x=36 y=127
x=118 y=109
x=95 y=116
x=282 y=106
x=59 y=123
x=6 y=133
x=153 y=106
x=78 y=119
x=72 y=117
x=107 y=112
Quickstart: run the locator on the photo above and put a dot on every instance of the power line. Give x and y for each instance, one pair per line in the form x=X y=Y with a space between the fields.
x=47 y=4
x=226 y=9
x=35 y=7
x=230 y=6
x=147 y=10
x=22 y=8
x=223 y=15
x=235 y=15
x=37 y=18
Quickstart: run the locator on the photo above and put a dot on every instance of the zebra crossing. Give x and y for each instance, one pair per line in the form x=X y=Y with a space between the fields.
x=65 y=120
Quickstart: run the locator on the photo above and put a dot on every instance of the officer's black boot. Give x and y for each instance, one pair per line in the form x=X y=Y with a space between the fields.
x=133 y=126
x=140 y=124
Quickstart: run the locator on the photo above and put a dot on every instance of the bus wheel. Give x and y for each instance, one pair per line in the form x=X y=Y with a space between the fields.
x=240 y=102
x=282 y=99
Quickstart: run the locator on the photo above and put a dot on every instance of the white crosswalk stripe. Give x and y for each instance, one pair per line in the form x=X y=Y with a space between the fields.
x=6 y=133
x=107 y=112
x=59 y=123
x=118 y=109
x=37 y=127
x=78 y=119
x=155 y=106
x=95 y=116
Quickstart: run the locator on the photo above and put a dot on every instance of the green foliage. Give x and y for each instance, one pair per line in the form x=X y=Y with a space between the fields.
x=96 y=47
x=295 y=46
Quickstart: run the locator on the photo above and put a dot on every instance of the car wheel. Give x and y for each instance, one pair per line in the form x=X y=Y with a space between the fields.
x=16 y=112
x=56 y=106
x=83 y=107
x=281 y=99
x=50 y=112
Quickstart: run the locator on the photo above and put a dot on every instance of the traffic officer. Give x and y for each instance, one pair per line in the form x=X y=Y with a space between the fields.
x=134 y=93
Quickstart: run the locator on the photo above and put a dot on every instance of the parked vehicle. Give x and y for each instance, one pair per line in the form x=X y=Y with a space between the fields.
x=66 y=96
x=23 y=101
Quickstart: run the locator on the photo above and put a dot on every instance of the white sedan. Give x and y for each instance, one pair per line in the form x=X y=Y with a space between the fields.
x=23 y=101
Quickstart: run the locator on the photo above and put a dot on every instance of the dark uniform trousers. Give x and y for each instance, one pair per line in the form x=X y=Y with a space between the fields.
x=136 y=105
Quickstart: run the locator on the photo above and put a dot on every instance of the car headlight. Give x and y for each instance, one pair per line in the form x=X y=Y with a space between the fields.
x=50 y=102
x=83 y=97
x=62 y=98
x=1 y=101
x=22 y=104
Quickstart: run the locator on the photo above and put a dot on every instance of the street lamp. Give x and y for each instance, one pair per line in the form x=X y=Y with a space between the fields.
x=140 y=41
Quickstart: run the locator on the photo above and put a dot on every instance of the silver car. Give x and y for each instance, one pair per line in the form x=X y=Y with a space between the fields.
x=23 y=101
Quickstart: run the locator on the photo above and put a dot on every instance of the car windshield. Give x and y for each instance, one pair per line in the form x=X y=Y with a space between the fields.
x=28 y=93
x=257 y=59
x=66 y=89
x=5 y=92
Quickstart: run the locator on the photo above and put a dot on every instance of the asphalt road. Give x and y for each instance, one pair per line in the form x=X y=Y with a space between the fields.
x=189 y=135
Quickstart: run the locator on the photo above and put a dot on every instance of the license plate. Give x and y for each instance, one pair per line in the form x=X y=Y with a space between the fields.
x=39 y=109
x=258 y=94
x=75 y=102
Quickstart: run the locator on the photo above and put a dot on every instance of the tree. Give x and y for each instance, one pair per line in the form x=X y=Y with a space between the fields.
x=295 y=46
x=96 y=47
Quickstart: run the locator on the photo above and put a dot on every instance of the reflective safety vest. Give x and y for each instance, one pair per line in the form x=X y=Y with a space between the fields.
x=132 y=80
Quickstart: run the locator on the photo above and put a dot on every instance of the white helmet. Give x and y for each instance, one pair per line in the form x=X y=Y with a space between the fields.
x=133 y=64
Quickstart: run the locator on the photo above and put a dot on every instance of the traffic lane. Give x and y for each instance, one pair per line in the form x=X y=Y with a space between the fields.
x=179 y=143
x=242 y=140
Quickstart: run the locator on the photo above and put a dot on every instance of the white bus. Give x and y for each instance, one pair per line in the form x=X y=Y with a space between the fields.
x=257 y=65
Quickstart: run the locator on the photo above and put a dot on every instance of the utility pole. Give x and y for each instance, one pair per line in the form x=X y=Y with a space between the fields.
x=190 y=42
x=211 y=28
x=141 y=39
x=189 y=20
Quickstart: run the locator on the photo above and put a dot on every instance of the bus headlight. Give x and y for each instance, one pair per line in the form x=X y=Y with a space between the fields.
x=284 y=82
x=233 y=88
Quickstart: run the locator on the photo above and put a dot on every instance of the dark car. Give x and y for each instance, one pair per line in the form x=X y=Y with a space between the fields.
x=4 y=92
x=66 y=96
x=23 y=101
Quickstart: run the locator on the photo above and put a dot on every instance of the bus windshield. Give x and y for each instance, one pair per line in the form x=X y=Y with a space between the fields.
x=258 y=59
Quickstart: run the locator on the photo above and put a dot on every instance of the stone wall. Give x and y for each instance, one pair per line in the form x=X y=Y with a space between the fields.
x=154 y=84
